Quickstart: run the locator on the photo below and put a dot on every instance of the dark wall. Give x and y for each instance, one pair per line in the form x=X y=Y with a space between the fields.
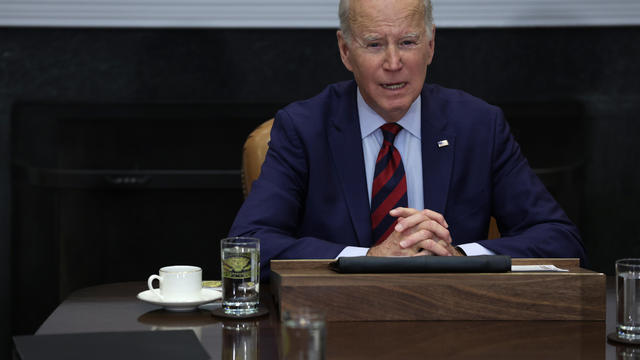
x=595 y=68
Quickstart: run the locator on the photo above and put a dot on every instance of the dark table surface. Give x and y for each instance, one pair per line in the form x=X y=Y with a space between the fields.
x=114 y=307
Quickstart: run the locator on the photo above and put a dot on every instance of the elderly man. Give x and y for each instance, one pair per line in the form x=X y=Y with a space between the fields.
x=390 y=166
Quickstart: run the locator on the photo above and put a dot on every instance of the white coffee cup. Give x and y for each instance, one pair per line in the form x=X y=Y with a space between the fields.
x=178 y=283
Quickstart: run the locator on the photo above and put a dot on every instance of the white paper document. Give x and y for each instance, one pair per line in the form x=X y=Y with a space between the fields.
x=523 y=268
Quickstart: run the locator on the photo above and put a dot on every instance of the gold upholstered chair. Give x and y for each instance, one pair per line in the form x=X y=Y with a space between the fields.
x=255 y=149
x=253 y=153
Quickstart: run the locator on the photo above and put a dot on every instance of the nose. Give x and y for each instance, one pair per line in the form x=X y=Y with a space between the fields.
x=393 y=60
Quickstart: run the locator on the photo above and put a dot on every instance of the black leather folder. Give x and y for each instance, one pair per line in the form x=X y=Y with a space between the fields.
x=423 y=264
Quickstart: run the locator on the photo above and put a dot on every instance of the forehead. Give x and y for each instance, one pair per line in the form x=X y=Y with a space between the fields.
x=386 y=16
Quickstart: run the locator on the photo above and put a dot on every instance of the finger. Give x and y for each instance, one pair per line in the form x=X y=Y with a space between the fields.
x=423 y=253
x=453 y=250
x=416 y=216
x=403 y=212
x=414 y=238
x=410 y=221
x=449 y=247
x=435 y=216
x=437 y=229
x=406 y=212
x=434 y=247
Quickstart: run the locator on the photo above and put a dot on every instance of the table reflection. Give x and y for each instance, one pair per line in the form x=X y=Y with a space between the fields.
x=166 y=320
x=239 y=340
x=627 y=352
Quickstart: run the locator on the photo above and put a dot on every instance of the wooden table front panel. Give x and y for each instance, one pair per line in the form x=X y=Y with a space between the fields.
x=575 y=295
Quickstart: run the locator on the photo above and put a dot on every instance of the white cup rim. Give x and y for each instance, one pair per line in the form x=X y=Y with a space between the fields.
x=180 y=269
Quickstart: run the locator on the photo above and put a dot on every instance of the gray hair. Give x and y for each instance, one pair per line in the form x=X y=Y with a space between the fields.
x=345 y=21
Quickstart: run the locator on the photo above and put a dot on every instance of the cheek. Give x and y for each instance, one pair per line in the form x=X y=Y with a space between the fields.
x=418 y=67
x=367 y=68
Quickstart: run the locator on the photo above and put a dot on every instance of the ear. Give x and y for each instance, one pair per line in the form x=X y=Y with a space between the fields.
x=344 y=50
x=431 y=45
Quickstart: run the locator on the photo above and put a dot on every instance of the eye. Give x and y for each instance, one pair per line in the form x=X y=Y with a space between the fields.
x=406 y=43
x=373 y=45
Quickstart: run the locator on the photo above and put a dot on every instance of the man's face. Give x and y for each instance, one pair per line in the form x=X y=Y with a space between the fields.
x=388 y=53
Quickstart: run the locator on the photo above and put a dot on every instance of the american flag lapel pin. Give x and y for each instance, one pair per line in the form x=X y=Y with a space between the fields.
x=443 y=143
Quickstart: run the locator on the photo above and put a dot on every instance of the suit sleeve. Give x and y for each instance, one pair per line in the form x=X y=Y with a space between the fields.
x=273 y=209
x=530 y=221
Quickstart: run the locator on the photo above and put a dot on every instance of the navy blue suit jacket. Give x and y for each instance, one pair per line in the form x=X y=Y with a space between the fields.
x=311 y=199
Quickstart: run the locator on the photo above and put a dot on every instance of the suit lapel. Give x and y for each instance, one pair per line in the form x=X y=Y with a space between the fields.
x=346 y=150
x=438 y=145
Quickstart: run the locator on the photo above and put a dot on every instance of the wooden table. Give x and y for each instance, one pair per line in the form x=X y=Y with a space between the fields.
x=114 y=307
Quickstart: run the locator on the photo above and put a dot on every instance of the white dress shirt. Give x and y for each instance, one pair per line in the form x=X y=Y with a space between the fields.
x=410 y=148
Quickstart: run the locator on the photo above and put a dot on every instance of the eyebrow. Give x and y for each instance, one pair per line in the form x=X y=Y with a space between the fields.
x=411 y=35
x=371 y=37
x=378 y=37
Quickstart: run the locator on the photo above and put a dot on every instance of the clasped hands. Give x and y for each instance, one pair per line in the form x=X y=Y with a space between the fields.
x=417 y=232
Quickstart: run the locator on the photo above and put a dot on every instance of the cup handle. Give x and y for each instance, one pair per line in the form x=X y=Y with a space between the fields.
x=150 y=284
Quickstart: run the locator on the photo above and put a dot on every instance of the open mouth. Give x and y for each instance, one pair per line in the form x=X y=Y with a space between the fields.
x=394 y=86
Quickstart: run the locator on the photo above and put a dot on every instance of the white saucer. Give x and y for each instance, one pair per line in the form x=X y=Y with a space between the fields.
x=206 y=296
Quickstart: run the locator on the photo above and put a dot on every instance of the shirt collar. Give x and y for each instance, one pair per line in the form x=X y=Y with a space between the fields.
x=370 y=121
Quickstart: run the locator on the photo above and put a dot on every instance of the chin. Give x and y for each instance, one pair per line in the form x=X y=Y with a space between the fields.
x=399 y=107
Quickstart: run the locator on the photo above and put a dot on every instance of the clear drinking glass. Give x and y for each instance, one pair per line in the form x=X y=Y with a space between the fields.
x=240 y=262
x=303 y=334
x=628 y=298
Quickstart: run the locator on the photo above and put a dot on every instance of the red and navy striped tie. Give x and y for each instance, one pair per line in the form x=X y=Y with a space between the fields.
x=389 y=189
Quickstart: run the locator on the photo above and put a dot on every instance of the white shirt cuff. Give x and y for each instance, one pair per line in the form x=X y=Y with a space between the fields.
x=351 y=251
x=475 y=249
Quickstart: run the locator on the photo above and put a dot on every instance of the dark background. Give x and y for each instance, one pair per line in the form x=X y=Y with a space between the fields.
x=572 y=96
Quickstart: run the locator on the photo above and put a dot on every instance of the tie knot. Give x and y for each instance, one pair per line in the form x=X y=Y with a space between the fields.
x=390 y=130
